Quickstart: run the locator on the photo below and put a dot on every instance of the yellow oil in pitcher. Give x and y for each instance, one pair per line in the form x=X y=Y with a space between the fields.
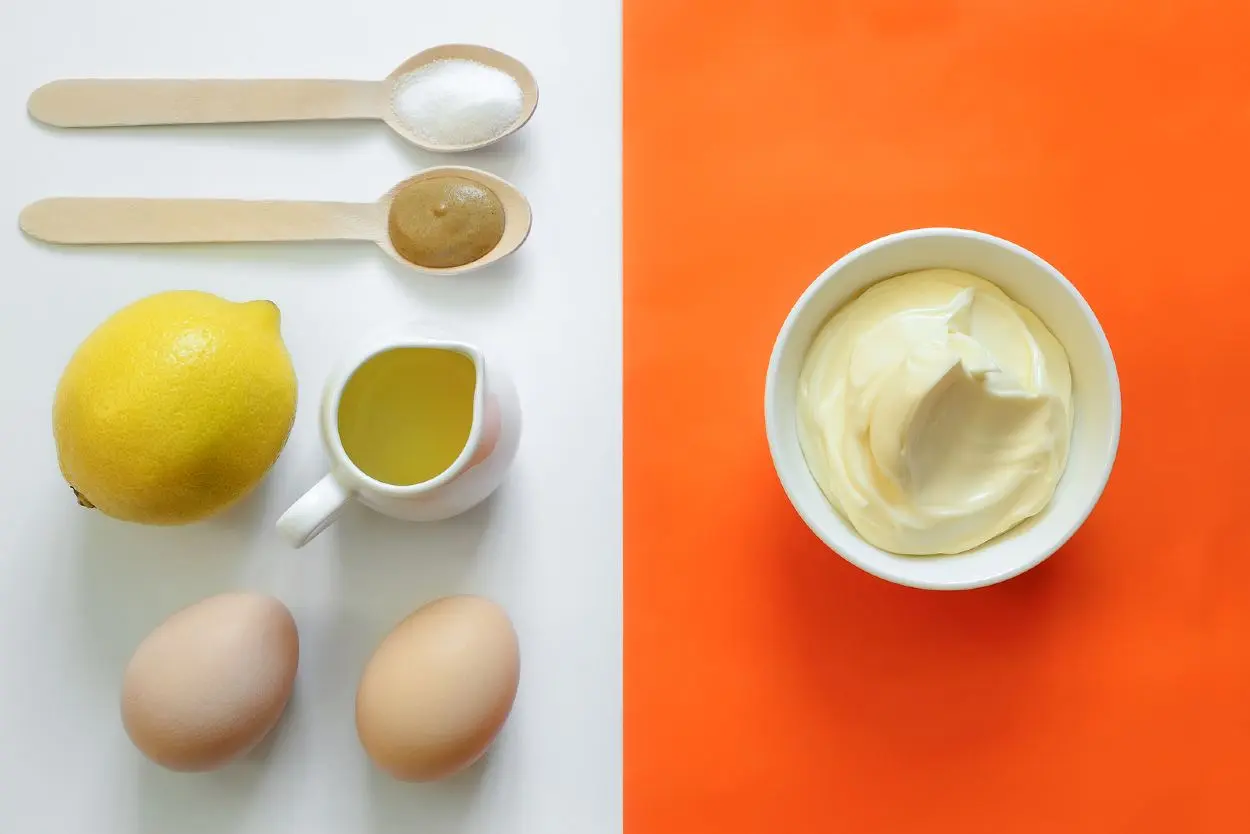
x=406 y=414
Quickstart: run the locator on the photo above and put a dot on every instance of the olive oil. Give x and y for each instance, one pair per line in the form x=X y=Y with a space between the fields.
x=405 y=415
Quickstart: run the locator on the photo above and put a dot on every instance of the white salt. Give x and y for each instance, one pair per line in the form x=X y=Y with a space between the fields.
x=454 y=101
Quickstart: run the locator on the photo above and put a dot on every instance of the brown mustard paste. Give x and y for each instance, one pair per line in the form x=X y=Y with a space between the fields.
x=443 y=222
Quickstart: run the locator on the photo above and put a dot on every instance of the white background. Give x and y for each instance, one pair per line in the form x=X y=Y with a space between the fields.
x=78 y=592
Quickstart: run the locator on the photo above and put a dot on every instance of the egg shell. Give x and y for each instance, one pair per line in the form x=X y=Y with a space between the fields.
x=211 y=681
x=438 y=689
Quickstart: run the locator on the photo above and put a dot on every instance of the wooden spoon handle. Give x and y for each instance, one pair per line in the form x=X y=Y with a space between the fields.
x=88 y=220
x=122 y=103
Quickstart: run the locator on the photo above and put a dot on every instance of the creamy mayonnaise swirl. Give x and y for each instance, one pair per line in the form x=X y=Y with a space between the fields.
x=935 y=412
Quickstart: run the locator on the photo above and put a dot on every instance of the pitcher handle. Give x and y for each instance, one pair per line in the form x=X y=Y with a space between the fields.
x=316 y=510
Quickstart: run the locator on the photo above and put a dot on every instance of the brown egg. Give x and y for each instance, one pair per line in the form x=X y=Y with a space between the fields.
x=438 y=688
x=211 y=681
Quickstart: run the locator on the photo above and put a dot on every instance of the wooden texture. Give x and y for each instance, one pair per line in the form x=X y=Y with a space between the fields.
x=86 y=103
x=121 y=103
x=770 y=686
x=105 y=220
x=89 y=220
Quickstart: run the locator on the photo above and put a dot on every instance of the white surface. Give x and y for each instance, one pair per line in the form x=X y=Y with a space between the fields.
x=78 y=592
x=1095 y=393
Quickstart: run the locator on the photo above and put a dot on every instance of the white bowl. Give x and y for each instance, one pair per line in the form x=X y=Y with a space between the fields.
x=1095 y=392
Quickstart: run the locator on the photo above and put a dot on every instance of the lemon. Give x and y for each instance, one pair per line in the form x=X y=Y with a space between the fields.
x=175 y=407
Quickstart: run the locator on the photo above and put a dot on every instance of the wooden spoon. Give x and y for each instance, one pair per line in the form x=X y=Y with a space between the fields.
x=128 y=103
x=104 y=220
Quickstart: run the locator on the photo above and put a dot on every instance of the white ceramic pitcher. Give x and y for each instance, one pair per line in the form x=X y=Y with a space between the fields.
x=475 y=473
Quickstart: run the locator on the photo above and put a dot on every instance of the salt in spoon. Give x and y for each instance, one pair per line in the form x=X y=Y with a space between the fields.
x=105 y=220
x=77 y=103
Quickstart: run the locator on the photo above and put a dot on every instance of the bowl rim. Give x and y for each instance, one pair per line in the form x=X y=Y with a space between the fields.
x=855 y=549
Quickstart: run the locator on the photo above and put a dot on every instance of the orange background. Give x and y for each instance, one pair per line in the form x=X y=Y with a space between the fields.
x=769 y=686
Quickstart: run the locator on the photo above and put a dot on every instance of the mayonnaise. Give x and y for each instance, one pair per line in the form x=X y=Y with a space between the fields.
x=935 y=412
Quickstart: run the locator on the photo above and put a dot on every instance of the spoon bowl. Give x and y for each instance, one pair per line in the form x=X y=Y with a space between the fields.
x=82 y=221
x=86 y=103
x=466 y=52
x=518 y=217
